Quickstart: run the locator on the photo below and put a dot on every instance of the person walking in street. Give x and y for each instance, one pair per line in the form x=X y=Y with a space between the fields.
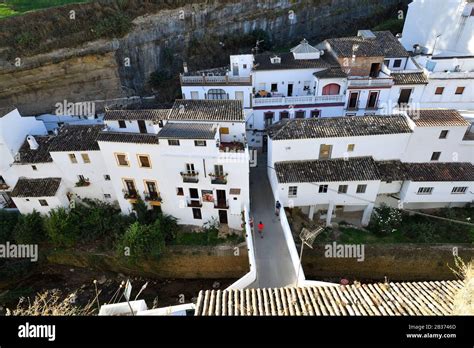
x=277 y=208
x=260 y=229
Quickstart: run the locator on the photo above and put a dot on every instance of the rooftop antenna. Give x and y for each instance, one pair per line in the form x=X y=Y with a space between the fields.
x=307 y=237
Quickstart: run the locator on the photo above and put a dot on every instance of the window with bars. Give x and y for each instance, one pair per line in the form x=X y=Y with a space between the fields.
x=323 y=189
x=425 y=190
x=292 y=191
x=459 y=190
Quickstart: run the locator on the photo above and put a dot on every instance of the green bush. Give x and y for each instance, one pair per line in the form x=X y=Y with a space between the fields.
x=142 y=241
x=29 y=229
x=8 y=220
x=62 y=228
x=385 y=220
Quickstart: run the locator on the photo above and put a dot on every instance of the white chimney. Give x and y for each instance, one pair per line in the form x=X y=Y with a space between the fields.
x=32 y=142
x=185 y=67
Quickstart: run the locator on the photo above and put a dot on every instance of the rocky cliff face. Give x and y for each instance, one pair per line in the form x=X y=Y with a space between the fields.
x=111 y=69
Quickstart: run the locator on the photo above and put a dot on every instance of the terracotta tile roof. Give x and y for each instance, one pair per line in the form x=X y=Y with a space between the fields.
x=46 y=187
x=144 y=114
x=328 y=127
x=418 y=78
x=41 y=155
x=378 y=299
x=127 y=137
x=427 y=172
x=76 y=138
x=330 y=73
x=437 y=118
x=187 y=131
x=263 y=62
x=383 y=45
x=207 y=110
x=338 y=169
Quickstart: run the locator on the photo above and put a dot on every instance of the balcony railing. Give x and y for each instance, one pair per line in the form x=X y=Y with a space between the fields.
x=353 y=107
x=218 y=179
x=216 y=80
x=220 y=204
x=234 y=146
x=152 y=196
x=370 y=82
x=130 y=194
x=4 y=186
x=194 y=203
x=307 y=99
x=83 y=183
x=375 y=106
x=190 y=177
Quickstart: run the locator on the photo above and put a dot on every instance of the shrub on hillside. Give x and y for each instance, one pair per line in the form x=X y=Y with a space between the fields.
x=29 y=229
x=8 y=220
x=142 y=241
x=62 y=228
x=385 y=220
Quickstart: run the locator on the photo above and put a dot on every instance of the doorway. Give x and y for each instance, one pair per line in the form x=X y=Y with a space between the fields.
x=142 y=126
x=353 y=100
x=223 y=216
x=221 y=198
x=404 y=97
x=290 y=89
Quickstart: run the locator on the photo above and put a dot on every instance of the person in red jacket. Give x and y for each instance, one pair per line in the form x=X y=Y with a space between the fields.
x=260 y=228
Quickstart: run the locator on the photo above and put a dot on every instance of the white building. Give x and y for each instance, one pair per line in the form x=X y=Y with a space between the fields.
x=336 y=165
x=192 y=161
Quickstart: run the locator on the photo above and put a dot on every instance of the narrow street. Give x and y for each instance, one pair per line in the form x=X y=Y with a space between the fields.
x=274 y=267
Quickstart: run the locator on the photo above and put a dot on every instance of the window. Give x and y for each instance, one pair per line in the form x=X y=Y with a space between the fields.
x=342 y=189
x=397 y=63
x=323 y=188
x=274 y=87
x=194 y=193
x=43 y=202
x=34 y=168
x=244 y=66
x=284 y=114
x=107 y=196
x=216 y=94
x=197 y=213
x=439 y=90
x=144 y=161
x=331 y=89
x=122 y=124
x=350 y=147
x=130 y=186
x=325 y=151
x=142 y=126
x=179 y=191
x=190 y=168
x=122 y=159
x=292 y=191
x=72 y=158
x=107 y=177
x=372 y=100
x=361 y=188
x=387 y=62
x=173 y=142
x=435 y=156
x=443 y=134
x=199 y=143
x=460 y=90
x=299 y=114
x=315 y=113
x=85 y=158
x=459 y=190
x=425 y=190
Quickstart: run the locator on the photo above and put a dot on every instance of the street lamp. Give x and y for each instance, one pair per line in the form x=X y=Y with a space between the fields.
x=307 y=237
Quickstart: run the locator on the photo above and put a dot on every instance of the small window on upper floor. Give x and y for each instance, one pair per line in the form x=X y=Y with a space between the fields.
x=387 y=62
x=34 y=167
x=173 y=142
x=435 y=156
x=460 y=90
x=199 y=143
x=443 y=134
x=245 y=66
x=107 y=177
x=459 y=190
x=43 y=202
x=361 y=188
x=397 y=63
x=350 y=147
x=179 y=191
x=144 y=161
x=323 y=189
x=439 y=90
x=122 y=124
x=274 y=87
x=85 y=158
x=292 y=191
x=72 y=158
x=122 y=159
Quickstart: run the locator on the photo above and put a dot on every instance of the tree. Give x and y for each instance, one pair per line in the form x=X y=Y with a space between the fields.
x=29 y=229
x=62 y=228
x=8 y=220
x=142 y=241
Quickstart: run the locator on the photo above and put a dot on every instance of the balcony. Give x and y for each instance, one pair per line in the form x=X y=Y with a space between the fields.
x=192 y=177
x=234 y=146
x=83 y=183
x=152 y=196
x=218 y=179
x=354 y=107
x=375 y=106
x=130 y=194
x=307 y=99
x=194 y=203
x=371 y=82
x=215 y=80
x=221 y=204
x=4 y=186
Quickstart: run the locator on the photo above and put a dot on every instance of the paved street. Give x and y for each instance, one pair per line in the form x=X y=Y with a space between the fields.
x=274 y=267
